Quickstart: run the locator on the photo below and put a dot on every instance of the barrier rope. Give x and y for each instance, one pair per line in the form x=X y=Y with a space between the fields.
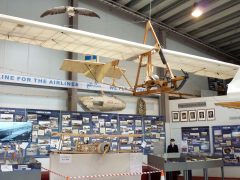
x=106 y=175
x=57 y=174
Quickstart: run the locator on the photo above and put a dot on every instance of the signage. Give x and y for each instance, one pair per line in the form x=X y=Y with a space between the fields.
x=40 y=81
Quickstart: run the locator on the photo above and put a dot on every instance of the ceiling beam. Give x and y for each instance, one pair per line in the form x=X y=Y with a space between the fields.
x=223 y=33
x=235 y=52
x=211 y=16
x=220 y=42
x=175 y=11
x=178 y=20
x=132 y=3
x=232 y=46
x=146 y=8
x=221 y=23
x=170 y=7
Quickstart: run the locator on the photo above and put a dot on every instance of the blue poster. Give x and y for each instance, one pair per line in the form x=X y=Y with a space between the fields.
x=226 y=140
x=44 y=123
x=197 y=138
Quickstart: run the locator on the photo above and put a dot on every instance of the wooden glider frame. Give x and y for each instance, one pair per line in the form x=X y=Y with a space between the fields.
x=168 y=83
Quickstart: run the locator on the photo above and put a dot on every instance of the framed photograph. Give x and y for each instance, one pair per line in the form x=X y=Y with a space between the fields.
x=184 y=117
x=175 y=116
x=192 y=115
x=201 y=115
x=211 y=114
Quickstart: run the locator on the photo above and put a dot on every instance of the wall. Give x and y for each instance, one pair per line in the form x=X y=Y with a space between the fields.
x=222 y=114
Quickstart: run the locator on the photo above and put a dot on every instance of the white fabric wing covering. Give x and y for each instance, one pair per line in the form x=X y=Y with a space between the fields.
x=197 y=65
x=67 y=39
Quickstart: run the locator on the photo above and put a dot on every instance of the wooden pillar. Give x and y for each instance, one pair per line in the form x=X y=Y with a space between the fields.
x=72 y=93
x=164 y=98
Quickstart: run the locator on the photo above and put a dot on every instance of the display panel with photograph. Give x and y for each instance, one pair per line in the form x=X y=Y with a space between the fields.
x=175 y=116
x=211 y=114
x=201 y=115
x=12 y=115
x=183 y=116
x=198 y=139
x=15 y=131
x=226 y=140
x=44 y=122
x=154 y=132
x=192 y=115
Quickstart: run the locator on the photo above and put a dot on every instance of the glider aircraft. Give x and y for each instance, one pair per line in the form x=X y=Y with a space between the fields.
x=78 y=41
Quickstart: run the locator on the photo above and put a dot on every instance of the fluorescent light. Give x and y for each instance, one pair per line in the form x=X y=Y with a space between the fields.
x=197 y=12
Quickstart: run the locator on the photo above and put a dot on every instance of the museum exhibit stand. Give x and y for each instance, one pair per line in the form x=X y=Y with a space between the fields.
x=26 y=169
x=186 y=162
x=74 y=165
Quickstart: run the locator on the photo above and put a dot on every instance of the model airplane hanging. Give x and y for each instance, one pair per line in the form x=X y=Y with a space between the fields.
x=78 y=41
x=71 y=11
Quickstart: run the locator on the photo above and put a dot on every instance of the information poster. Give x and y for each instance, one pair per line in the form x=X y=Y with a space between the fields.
x=12 y=115
x=75 y=123
x=44 y=122
x=154 y=131
x=226 y=140
x=197 y=139
x=106 y=123
x=14 y=130
x=131 y=124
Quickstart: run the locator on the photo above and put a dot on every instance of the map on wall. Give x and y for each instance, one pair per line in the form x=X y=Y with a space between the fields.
x=226 y=140
x=197 y=139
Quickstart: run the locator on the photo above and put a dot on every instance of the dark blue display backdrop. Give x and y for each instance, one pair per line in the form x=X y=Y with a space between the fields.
x=197 y=138
x=226 y=140
x=44 y=123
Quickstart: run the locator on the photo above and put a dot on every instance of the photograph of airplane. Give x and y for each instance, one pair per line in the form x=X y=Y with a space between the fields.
x=6 y=117
x=15 y=131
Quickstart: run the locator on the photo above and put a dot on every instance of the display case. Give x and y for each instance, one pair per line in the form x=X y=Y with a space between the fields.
x=21 y=169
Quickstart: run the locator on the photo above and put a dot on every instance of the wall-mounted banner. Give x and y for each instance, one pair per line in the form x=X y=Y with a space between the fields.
x=40 y=81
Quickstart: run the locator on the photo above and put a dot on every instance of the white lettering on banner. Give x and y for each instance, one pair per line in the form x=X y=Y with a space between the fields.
x=29 y=80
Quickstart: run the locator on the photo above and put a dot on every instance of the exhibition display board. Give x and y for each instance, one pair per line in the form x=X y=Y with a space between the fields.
x=226 y=140
x=46 y=122
x=197 y=138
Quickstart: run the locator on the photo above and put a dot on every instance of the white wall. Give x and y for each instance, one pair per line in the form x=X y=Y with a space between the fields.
x=222 y=117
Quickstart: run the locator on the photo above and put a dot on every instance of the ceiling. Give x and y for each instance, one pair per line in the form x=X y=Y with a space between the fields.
x=218 y=28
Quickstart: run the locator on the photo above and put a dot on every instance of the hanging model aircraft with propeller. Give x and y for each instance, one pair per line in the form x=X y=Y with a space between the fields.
x=78 y=41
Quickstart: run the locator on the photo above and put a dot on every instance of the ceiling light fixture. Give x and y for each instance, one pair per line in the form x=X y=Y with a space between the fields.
x=197 y=11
